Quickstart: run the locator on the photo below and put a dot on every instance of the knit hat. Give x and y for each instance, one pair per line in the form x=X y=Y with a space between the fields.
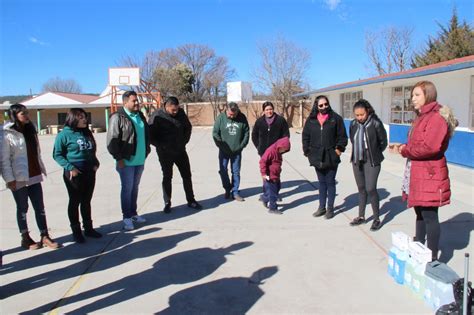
x=266 y=104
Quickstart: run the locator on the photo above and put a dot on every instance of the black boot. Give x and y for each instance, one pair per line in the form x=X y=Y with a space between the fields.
x=89 y=230
x=329 y=213
x=77 y=234
x=27 y=242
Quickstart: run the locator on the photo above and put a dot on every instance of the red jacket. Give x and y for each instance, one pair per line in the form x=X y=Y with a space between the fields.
x=427 y=142
x=270 y=163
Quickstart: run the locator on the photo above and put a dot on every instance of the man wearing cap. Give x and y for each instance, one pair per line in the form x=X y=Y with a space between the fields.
x=231 y=134
x=170 y=131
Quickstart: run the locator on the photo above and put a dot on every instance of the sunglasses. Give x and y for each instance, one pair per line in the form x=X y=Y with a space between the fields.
x=323 y=105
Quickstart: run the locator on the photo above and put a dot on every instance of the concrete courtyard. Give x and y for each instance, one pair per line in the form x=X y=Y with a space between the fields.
x=231 y=257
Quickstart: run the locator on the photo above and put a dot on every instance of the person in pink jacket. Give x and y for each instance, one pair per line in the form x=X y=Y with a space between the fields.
x=426 y=182
x=270 y=169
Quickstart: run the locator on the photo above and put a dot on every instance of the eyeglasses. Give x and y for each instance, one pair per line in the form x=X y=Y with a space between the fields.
x=24 y=112
x=323 y=105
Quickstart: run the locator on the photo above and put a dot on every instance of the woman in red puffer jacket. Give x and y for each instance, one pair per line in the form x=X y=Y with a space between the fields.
x=426 y=182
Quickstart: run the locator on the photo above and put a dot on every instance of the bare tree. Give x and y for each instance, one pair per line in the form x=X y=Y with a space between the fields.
x=282 y=71
x=200 y=59
x=192 y=72
x=389 y=50
x=61 y=85
x=215 y=80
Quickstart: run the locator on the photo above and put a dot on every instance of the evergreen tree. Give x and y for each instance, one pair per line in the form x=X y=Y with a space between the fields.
x=454 y=41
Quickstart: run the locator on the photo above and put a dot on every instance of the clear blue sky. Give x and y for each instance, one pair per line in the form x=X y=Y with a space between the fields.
x=81 y=39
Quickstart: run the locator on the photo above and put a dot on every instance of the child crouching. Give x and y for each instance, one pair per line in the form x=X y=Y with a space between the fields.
x=270 y=169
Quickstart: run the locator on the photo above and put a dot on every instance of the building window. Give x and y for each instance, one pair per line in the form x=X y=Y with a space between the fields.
x=401 y=109
x=62 y=118
x=347 y=102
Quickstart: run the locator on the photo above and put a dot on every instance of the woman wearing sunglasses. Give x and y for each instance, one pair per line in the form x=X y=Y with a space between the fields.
x=324 y=140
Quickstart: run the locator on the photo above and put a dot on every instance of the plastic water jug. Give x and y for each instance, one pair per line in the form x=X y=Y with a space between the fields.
x=400 y=263
x=409 y=271
x=419 y=279
x=430 y=287
x=443 y=294
x=392 y=257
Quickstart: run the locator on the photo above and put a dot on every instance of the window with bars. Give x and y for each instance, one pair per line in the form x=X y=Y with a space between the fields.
x=347 y=102
x=401 y=108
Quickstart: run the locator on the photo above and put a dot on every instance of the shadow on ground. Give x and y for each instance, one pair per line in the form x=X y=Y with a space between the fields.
x=187 y=266
x=234 y=295
x=455 y=235
x=121 y=251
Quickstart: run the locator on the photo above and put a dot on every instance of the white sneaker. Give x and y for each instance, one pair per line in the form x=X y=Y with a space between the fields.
x=138 y=219
x=128 y=224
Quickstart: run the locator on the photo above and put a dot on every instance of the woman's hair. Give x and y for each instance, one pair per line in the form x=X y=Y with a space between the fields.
x=362 y=103
x=13 y=112
x=429 y=90
x=316 y=100
x=266 y=104
x=72 y=119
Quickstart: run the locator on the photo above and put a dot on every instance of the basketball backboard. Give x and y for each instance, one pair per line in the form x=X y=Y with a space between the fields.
x=124 y=76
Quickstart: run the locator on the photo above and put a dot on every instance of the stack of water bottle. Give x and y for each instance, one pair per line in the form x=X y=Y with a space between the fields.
x=407 y=263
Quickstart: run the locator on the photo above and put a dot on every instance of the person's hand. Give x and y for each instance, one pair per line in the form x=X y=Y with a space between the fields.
x=12 y=185
x=73 y=173
x=266 y=177
x=393 y=147
x=338 y=152
x=120 y=164
x=401 y=147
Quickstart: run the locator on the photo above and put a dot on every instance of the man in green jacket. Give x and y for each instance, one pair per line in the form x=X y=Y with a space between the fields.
x=231 y=135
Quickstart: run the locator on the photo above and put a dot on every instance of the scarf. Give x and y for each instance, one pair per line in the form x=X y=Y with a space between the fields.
x=270 y=120
x=360 y=141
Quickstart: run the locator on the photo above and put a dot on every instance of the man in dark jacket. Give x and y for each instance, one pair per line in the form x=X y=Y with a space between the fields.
x=128 y=143
x=170 y=131
x=231 y=135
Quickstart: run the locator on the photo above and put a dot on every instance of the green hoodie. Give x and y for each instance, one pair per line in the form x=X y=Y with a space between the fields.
x=74 y=147
x=231 y=135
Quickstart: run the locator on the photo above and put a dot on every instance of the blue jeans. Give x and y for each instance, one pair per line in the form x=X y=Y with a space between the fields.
x=327 y=187
x=270 y=193
x=130 y=178
x=235 y=162
x=35 y=193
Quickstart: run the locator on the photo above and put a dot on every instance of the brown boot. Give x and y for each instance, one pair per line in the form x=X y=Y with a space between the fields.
x=27 y=242
x=47 y=241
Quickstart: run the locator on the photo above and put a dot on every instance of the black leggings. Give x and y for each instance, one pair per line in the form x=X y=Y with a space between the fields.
x=366 y=178
x=427 y=225
x=80 y=189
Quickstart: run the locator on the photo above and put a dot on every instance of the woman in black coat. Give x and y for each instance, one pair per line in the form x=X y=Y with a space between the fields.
x=369 y=140
x=268 y=128
x=324 y=139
